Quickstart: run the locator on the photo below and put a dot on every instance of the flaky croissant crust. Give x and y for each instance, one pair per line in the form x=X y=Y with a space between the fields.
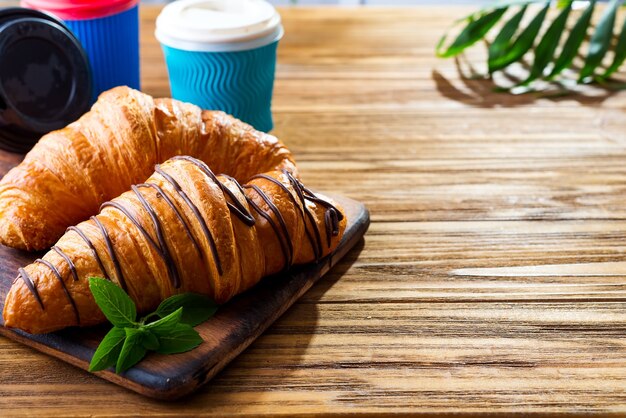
x=183 y=230
x=113 y=146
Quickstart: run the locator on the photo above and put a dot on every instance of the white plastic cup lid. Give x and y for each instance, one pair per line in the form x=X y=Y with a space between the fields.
x=218 y=25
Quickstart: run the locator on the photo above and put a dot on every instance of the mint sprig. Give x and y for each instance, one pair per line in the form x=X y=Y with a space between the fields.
x=130 y=340
x=115 y=304
x=198 y=308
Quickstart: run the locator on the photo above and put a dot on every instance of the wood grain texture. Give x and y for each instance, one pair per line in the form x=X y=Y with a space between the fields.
x=457 y=177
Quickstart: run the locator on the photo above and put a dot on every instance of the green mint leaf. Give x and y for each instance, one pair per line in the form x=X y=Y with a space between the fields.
x=166 y=324
x=132 y=350
x=182 y=338
x=108 y=351
x=115 y=304
x=149 y=340
x=196 y=308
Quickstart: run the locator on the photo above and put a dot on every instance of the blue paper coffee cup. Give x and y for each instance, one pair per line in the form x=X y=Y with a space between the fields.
x=221 y=55
x=109 y=33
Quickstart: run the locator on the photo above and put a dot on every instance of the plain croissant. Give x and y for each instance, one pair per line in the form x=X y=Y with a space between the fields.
x=183 y=230
x=70 y=172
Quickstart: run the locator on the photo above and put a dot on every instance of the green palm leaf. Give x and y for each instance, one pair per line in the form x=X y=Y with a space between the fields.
x=600 y=41
x=544 y=53
x=574 y=41
x=553 y=51
x=620 y=53
x=523 y=42
x=478 y=25
x=500 y=45
x=473 y=32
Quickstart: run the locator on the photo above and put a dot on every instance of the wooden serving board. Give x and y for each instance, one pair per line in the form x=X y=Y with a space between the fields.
x=235 y=326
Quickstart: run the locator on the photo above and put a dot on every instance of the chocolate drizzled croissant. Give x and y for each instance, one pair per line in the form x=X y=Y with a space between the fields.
x=184 y=230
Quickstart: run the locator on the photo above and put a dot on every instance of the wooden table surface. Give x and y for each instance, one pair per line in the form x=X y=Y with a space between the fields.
x=493 y=277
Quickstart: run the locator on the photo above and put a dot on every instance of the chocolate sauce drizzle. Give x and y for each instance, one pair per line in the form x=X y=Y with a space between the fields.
x=160 y=247
x=56 y=273
x=236 y=206
x=91 y=247
x=111 y=250
x=164 y=250
x=161 y=194
x=283 y=237
x=332 y=217
x=68 y=260
x=135 y=221
x=30 y=285
x=269 y=220
x=286 y=247
x=315 y=245
x=196 y=212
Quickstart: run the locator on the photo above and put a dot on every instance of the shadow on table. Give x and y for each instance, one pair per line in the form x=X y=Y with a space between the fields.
x=337 y=272
x=470 y=88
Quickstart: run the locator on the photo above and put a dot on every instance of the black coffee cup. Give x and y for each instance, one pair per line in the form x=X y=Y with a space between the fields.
x=45 y=79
